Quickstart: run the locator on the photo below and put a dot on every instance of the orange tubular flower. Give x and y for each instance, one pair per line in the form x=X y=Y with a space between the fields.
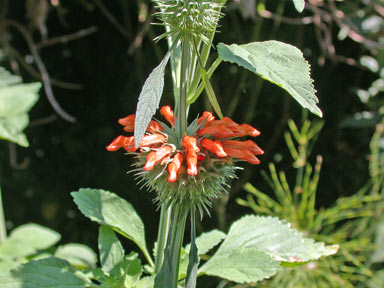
x=119 y=142
x=190 y=143
x=218 y=132
x=226 y=121
x=206 y=149
x=157 y=156
x=175 y=167
x=167 y=113
x=129 y=124
x=213 y=146
x=192 y=163
x=249 y=145
x=242 y=154
x=208 y=116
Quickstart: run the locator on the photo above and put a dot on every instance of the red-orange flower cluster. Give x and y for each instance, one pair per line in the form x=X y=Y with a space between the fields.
x=214 y=138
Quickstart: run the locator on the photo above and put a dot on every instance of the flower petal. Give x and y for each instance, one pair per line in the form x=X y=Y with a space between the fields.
x=157 y=156
x=167 y=113
x=154 y=127
x=153 y=139
x=249 y=144
x=207 y=116
x=175 y=167
x=190 y=143
x=242 y=154
x=218 y=132
x=249 y=130
x=192 y=163
x=226 y=121
x=119 y=142
x=128 y=122
x=213 y=146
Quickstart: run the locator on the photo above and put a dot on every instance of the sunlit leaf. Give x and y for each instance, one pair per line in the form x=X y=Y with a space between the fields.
x=78 y=255
x=299 y=5
x=124 y=274
x=208 y=240
x=16 y=99
x=28 y=239
x=241 y=264
x=279 y=63
x=262 y=242
x=145 y=282
x=110 y=248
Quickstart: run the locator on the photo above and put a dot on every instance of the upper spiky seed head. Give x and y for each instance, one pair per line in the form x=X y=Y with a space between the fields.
x=196 y=17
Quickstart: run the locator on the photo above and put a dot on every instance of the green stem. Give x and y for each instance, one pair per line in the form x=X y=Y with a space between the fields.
x=184 y=73
x=176 y=236
x=3 y=231
x=210 y=71
x=167 y=276
x=205 y=51
x=162 y=235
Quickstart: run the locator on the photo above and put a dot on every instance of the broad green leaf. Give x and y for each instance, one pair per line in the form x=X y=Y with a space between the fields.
x=28 y=239
x=110 y=249
x=16 y=99
x=241 y=264
x=149 y=99
x=7 y=264
x=275 y=238
x=125 y=274
x=279 y=63
x=7 y=79
x=204 y=243
x=50 y=272
x=146 y=282
x=78 y=255
x=109 y=209
x=267 y=238
x=207 y=241
x=299 y=5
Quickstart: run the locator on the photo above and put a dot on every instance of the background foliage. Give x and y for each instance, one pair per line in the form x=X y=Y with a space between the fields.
x=98 y=54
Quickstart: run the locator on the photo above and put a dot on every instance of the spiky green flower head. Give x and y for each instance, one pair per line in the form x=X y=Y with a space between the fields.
x=192 y=170
x=188 y=191
x=196 y=17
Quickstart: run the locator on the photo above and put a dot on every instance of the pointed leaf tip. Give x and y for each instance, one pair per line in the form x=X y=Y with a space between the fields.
x=299 y=5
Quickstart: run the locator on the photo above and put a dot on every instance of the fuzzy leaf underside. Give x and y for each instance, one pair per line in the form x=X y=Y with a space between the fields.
x=149 y=99
x=279 y=63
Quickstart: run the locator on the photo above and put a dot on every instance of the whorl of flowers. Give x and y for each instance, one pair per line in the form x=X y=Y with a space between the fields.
x=196 y=17
x=195 y=168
